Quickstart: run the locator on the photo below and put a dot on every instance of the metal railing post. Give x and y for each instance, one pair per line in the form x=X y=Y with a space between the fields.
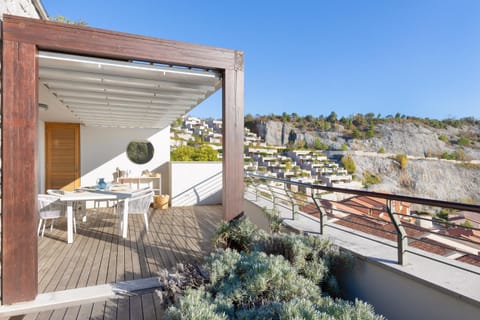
x=292 y=201
x=274 y=201
x=402 y=241
x=321 y=210
x=255 y=185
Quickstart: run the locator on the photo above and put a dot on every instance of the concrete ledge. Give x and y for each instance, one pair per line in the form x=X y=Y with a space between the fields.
x=74 y=297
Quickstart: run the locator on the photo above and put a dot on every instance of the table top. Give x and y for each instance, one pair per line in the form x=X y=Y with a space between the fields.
x=118 y=191
x=82 y=195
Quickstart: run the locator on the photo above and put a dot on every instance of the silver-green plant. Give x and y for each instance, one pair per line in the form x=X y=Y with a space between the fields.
x=281 y=276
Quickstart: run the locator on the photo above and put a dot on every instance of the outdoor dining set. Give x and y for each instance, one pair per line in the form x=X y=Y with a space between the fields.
x=58 y=203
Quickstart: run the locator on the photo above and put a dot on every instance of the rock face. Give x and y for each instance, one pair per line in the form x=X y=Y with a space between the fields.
x=409 y=138
x=430 y=178
x=435 y=179
x=415 y=140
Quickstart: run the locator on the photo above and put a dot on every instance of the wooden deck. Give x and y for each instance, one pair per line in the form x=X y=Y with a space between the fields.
x=99 y=255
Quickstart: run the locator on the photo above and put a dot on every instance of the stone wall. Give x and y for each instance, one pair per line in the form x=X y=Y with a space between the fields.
x=25 y=8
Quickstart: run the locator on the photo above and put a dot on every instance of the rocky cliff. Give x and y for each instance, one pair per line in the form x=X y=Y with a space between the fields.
x=423 y=176
x=435 y=179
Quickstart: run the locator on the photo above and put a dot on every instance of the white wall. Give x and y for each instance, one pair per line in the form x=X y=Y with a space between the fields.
x=24 y=8
x=398 y=296
x=195 y=183
x=104 y=149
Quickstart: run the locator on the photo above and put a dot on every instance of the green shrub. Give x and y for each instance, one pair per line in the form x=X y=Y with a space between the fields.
x=381 y=150
x=274 y=218
x=370 y=179
x=402 y=160
x=195 y=305
x=238 y=234
x=467 y=224
x=257 y=285
x=463 y=141
x=348 y=163
x=443 y=138
x=189 y=153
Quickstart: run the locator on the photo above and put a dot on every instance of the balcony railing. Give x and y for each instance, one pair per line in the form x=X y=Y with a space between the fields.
x=374 y=213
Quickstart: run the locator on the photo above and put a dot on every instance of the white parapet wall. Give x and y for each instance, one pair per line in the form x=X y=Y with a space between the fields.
x=428 y=287
x=195 y=183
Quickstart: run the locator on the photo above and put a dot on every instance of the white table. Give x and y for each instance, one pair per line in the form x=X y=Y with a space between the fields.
x=120 y=194
x=81 y=196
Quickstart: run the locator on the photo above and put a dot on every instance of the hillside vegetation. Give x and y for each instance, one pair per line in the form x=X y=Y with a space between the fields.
x=398 y=134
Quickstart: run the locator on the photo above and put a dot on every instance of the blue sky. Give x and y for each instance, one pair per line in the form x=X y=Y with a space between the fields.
x=416 y=57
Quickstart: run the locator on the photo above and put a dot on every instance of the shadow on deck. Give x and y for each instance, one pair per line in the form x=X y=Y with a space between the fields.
x=99 y=255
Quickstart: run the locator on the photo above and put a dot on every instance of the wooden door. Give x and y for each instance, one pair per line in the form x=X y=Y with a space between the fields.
x=62 y=156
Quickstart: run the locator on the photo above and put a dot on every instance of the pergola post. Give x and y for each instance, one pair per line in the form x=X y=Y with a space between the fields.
x=233 y=131
x=19 y=171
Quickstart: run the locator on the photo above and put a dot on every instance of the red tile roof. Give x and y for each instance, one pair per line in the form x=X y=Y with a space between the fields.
x=470 y=259
x=432 y=246
x=361 y=219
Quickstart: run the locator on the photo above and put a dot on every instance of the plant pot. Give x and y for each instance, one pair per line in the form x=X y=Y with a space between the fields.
x=161 y=201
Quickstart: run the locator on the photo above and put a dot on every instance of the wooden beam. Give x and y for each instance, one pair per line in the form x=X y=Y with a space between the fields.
x=83 y=40
x=233 y=131
x=19 y=190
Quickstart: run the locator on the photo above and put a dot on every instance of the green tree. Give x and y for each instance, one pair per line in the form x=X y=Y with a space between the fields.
x=182 y=153
x=359 y=120
x=63 y=19
x=371 y=131
x=319 y=145
x=381 y=150
x=348 y=163
x=205 y=153
x=355 y=134
x=369 y=116
x=332 y=117
x=249 y=118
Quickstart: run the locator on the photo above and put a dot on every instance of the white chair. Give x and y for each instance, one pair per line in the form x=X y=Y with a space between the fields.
x=55 y=192
x=50 y=208
x=138 y=203
x=58 y=193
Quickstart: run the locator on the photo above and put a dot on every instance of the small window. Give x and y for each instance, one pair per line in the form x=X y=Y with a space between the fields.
x=140 y=151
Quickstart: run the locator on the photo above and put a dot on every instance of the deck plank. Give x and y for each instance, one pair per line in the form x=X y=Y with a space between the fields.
x=99 y=255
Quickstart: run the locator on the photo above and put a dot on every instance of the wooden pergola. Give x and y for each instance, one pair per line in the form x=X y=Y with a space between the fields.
x=22 y=39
